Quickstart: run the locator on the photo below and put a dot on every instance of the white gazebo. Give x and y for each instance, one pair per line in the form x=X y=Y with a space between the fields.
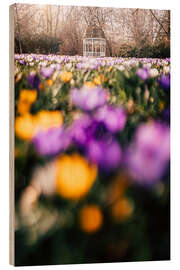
x=94 y=42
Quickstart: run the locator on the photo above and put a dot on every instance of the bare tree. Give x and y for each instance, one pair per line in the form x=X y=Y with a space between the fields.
x=51 y=25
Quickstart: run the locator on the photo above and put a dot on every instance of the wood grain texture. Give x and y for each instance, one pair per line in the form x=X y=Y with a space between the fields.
x=11 y=138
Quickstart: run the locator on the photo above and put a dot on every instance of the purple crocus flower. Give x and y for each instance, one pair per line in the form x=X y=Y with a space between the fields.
x=81 y=130
x=164 y=81
x=34 y=80
x=51 y=142
x=114 y=118
x=106 y=153
x=79 y=65
x=143 y=73
x=22 y=62
x=96 y=142
x=166 y=114
x=47 y=72
x=155 y=134
x=148 y=156
x=89 y=99
x=58 y=67
x=87 y=128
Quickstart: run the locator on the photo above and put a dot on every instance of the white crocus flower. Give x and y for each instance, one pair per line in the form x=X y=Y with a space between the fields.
x=153 y=72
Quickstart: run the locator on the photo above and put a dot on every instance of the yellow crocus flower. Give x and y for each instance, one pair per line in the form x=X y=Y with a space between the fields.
x=97 y=80
x=26 y=99
x=89 y=84
x=66 y=76
x=48 y=119
x=24 y=126
x=75 y=176
x=49 y=82
x=90 y=218
x=28 y=96
x=27 y=125
x=122 y=209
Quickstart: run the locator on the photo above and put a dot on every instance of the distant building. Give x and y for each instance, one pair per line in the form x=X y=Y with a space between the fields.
x=94 y=42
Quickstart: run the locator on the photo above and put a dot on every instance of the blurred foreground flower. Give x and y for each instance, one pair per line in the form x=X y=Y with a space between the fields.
x=122 y=209
x=24 y=126
x=90 y=218
x=44 y=179
x=49 y=82
x=28 y=96
x=51 y=142
x=118 y=187
x=26 y=99
x=75 y=176
x=166 y=115
x=89 y=99
x=164 y=81
x=114 y=118
x=70 y=176
x=97 y=142
x=34 y=80
x=27 y=204
x=161 y=105
x=48 y=119
x=148 y=156
x=27 y=126
x=106 y=153
x=81 y=129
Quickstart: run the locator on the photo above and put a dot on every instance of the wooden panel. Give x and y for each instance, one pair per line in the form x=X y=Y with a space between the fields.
x=11 y=137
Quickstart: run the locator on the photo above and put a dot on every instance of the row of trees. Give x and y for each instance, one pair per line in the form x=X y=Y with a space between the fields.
x=128 y=32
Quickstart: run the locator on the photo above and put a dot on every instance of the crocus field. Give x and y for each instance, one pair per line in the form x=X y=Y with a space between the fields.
x=92 y=159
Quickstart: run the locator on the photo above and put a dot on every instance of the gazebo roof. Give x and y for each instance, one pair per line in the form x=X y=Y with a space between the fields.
x=94 y=31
